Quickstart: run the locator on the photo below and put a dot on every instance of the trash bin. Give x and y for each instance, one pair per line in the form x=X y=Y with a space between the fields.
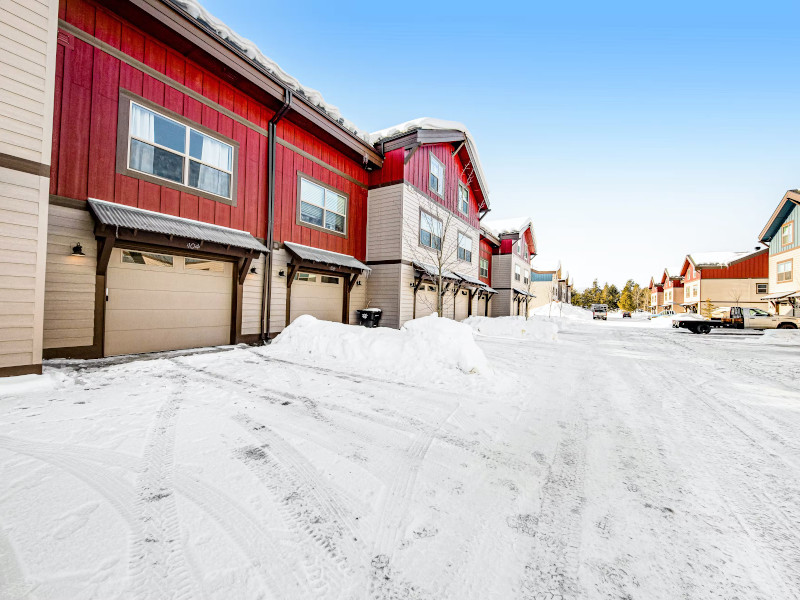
x=369 y=317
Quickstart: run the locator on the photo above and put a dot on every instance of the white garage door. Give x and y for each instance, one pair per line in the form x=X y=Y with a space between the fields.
x=317 y=295
x=462 y=305
x=165 y=302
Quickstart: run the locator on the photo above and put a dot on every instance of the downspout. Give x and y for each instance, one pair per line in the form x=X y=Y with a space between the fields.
x=266 y=292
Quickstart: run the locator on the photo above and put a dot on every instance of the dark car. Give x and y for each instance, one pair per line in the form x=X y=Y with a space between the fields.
x=626 y=314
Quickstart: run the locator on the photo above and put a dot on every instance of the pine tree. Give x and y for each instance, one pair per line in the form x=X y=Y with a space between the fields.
x=707 y=308
x=626 y=301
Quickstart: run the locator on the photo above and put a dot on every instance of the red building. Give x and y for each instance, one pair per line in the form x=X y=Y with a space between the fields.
x=511 y=264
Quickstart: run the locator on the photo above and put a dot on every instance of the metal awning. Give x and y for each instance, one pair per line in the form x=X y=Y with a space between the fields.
x=781 y=295
x=469 y=279
x=488 y=289
x=110 y=214
x=433 y=272
x=307 y=254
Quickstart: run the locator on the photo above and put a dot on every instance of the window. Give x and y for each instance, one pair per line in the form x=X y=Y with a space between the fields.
x=321 y=207
x=784 y=271
x=147 y=258
x=484 y=268
x=463 y=199
x=464 y=248
x=167 y=151
x=430 y=231
x=310 y=277
x=517 y=273
x=204 y=264
x=761 y=288
x=436 y=178
x=527 y=276
x=787 y=234
x=329 y=279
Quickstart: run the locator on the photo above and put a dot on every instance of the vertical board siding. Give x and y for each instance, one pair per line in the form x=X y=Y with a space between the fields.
x=775 y=246
x=754 y=267
x=418 y=169
x=486 y=252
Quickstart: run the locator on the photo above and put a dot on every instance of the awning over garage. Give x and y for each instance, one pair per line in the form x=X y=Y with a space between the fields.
x=469 y=280
x=112 y=215
x=781 y=295
x=432 y=271
x=325 y=258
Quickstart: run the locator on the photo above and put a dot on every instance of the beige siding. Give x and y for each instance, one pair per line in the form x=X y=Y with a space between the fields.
x=784 y=286
x=732 y=292
x=277 y=314
x=70 y=280
x=385 y=223
x=251 y=298
x=358 y=299
x=383 y=291
x=544 y=291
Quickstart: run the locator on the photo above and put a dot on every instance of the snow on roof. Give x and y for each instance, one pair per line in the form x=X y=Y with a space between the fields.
x=718 y=259
x=545 y=265
x=504 y=226
x=249 y=48
x=429 y=123
x=673 y=271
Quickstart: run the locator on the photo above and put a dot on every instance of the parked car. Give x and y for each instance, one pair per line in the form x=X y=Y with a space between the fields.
x=663 y=313
x=600 y=311
x=626 y=314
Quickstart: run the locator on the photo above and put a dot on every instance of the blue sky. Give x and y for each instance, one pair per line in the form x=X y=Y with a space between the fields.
x=632 y=134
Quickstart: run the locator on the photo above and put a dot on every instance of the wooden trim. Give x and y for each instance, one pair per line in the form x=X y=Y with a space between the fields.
x=791 y=270
x=237 y=293
x=319 y=162
x=21 y=370
x=394 y=261
x=174 y=245
x=157 y=75
x=419 y=231
x=301 y=223
x=68 y=202
x=780 y=234
x=15 y=163
x=78 y=352
x=432 y=156
x=123 y=135
x=409 y=152
x=99 y=338
x=389 y=183
x=244 y=268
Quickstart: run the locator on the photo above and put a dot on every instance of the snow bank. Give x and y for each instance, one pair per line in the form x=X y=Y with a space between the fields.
x=563 y=310
x=421 y=348
x=789 y=337
x=28 y=384
x=514 y=327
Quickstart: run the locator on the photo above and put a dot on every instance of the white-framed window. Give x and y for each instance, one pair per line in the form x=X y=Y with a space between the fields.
x=463 y=199
x=787 y=234
x=430 y=231
x=761 y=288
x=164 y=148
x=526 y=278
x=517 y=273
x=464 y=247
x=436 y=176
x=784 y=270
x=483 y=266
x=321 y=206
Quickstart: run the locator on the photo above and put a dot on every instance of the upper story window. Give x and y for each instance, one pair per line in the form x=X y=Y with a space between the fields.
x=436 y=177
x=483 y=268
x=517 y=273
x=321 y=207
x=430 y=231
x=463 y=199
x=162 y=147
x=464 y=247
x=787 y=234
x=784 y=271
x=526 y=278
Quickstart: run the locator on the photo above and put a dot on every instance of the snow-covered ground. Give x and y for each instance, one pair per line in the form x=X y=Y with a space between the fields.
x=613 y=460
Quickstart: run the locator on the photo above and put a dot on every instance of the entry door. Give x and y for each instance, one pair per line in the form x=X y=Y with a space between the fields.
x=320 y=296
x=165 y=302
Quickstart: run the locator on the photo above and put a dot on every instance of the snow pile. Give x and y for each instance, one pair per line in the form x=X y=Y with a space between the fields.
x=501 y=226
x=422 y=348
x=27 y=384
x=782 y=337
x=562 y=310
x=514 y=327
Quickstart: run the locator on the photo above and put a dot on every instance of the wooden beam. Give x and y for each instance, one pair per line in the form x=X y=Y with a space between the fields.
x=104 y=254
x=352 y=281
x=244 y=268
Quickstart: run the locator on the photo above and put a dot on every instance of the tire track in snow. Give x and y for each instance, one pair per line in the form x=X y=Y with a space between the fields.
x=308 y=506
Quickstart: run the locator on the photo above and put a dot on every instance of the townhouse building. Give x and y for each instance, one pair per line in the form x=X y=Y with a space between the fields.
x=511 y=270
x=725 y=279
x=781 y=235
x=656 y=295
x=549 y=283
x=672 y=286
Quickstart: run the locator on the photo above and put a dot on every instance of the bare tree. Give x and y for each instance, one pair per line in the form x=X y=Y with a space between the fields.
x=736 y=294
x=430 y=238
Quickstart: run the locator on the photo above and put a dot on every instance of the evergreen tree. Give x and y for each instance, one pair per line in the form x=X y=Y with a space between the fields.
x=626 y=300
x=707 y=308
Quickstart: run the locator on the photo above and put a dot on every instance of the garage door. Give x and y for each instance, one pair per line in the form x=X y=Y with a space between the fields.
x=462 y=305
x=320 y=296
x=166 y=302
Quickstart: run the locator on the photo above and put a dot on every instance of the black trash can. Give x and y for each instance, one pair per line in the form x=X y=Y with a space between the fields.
x=369 y=317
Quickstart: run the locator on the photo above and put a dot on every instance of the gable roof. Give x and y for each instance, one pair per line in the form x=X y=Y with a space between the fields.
x=671 y=273
x=717 y=260
x=447 y=129
x=510 y=227
x=790 y=199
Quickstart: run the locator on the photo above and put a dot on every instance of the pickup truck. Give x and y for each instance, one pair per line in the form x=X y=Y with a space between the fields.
x=740 y=318
x=600 y=311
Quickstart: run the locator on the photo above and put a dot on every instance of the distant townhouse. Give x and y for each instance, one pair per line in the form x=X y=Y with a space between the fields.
x=781 y=235
x=725 y=279
x=489 y=245
x=511 y=266
x=549 y=283
x=656 y=295
x=672 y=284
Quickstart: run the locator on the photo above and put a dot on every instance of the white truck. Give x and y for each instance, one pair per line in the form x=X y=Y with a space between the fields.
x=740 y=318
x=600 y=311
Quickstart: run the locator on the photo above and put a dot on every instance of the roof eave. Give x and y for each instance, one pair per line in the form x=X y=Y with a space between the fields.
x=769 y=230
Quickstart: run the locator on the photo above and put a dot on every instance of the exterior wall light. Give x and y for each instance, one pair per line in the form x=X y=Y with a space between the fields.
x=358 y=282
x=77 y=250
x=253 y=271
x=281 y=273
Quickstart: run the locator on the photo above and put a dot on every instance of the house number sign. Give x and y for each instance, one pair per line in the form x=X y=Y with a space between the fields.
x=193 y=246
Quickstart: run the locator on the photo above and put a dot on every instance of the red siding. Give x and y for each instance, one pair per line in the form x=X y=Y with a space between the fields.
x=506 y=246
x=85 y=128
x=418 y=169
x=755 y=267
x=486 y=252
x=392 y=170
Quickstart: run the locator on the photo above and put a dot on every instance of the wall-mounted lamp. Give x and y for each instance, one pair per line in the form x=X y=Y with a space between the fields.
x=358 y=282
x=281 y=273
x=253 y=271
x=77 y=250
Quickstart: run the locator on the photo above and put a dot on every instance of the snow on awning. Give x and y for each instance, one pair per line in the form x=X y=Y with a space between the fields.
x=779 y=295
x=469 y=279
x=325 y=257
x=115 y=215
x=433 y=272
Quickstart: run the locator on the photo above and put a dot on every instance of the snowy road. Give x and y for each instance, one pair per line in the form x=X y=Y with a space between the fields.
x=616 y=462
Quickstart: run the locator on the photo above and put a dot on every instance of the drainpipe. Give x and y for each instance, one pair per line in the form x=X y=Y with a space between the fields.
x=266 y=292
